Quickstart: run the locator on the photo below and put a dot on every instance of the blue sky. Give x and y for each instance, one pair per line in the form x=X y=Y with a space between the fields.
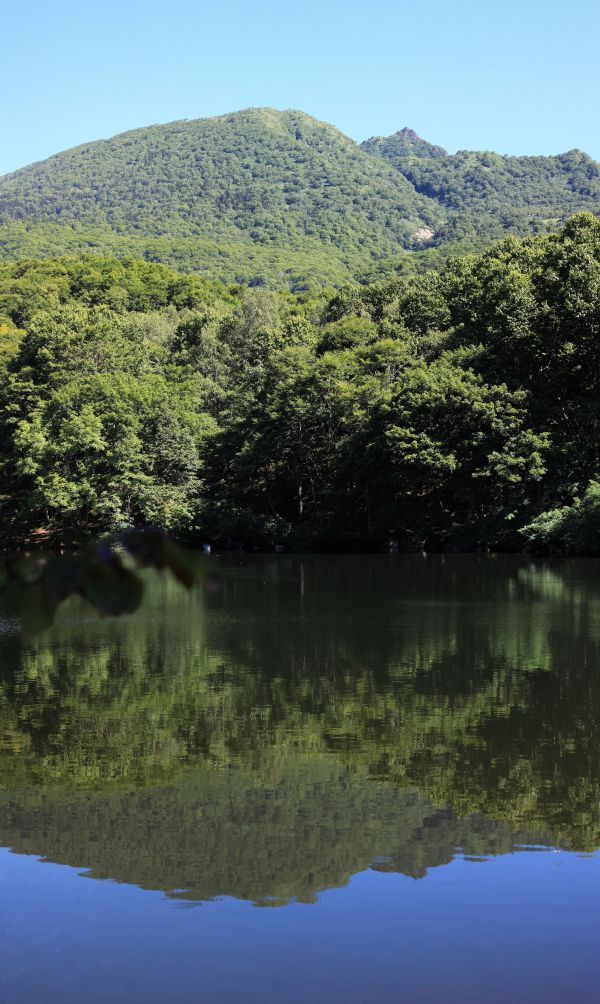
x=516 y=77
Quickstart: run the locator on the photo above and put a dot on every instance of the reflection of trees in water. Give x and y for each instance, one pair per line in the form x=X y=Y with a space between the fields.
x=219 y=832
x=472 y=678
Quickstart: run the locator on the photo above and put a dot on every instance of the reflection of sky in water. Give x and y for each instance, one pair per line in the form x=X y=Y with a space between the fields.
x=522 y=928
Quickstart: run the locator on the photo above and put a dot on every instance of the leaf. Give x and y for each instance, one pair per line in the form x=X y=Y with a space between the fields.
x=34 y=604
x=154 y=548
x=145 y=546
x=112 y=590
x=62 y=576
x=187 y=566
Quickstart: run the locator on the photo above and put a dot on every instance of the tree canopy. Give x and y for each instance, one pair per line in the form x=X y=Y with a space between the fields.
x=455 y=408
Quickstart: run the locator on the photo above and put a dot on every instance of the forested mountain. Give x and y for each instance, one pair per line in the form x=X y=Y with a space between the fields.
x=263 y=196
x=485 y=195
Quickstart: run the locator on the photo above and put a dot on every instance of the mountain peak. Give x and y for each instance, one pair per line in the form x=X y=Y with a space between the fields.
x=407 y=133
x=403 y=143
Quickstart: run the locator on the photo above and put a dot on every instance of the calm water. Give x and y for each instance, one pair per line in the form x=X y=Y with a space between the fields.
x=337 y=780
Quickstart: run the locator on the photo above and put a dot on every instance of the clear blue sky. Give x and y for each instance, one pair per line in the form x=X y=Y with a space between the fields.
x=516 y=77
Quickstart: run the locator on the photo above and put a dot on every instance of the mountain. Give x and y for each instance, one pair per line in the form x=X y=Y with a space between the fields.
x=484 y=195
x=279 y=197
x=405 y=143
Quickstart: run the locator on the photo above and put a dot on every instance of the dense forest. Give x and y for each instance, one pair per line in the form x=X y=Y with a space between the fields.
x=455 y=408
x=483 y=194
x=280 y=199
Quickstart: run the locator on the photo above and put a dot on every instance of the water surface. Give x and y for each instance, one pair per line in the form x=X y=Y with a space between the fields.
x=338 y=779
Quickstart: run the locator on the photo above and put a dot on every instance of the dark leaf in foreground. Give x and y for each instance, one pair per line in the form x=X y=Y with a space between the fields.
x=36 y=584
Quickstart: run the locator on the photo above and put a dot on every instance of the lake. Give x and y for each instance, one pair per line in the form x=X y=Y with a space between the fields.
x=319 y=779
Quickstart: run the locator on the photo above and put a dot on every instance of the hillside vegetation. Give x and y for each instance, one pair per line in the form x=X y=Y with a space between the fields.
x=486 y=195
x=278 y=198
x=456 y=408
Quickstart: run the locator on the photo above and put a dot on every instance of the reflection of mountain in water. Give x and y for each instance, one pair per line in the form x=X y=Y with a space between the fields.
x=267 y=739
x=218 y=832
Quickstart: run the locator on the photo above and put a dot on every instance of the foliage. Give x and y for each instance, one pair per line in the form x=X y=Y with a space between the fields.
x=279 y=199
x=448 y=408
x=570 y=528
x=485 y=194
x=264 y=184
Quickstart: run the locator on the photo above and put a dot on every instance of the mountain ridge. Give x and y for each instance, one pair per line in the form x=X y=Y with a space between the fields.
x=407 y=131
x=296 y=197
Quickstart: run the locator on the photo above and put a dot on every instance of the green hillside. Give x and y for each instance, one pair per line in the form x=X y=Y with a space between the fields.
x=278 y=198
x=485 y=194
x=238 y=195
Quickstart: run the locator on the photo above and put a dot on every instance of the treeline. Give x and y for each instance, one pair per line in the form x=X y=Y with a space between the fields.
x=456 y=408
